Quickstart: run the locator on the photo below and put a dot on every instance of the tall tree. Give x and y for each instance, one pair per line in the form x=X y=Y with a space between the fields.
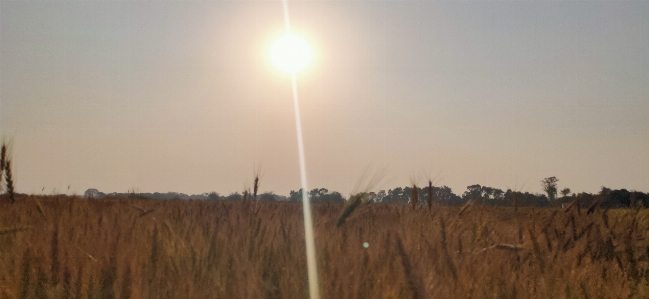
x=550 y=187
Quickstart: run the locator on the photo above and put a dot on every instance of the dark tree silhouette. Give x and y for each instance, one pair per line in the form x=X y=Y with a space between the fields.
x=550 y=187
x=473 y=192
x=317 y=195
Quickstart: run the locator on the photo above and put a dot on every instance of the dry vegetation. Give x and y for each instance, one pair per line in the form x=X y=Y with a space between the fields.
x=62 y=247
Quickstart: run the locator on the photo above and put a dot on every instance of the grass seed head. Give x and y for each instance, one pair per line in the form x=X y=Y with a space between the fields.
x=465 y=207
x=351 y=205
x=414 y=196
x=10 y=182
x=430 y=194
x=3 y=158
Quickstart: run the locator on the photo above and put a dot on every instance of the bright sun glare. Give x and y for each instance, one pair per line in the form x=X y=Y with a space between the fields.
x=291 y=53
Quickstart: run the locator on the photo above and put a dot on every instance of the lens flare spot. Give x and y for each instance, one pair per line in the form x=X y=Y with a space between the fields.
x=291 y=53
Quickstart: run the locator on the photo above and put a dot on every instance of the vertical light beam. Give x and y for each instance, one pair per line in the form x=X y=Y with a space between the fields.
x=314 y=289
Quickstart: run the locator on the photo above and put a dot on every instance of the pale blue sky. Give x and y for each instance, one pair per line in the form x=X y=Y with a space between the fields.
x=181 y=96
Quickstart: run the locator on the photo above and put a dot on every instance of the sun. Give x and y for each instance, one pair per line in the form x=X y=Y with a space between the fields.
x=290 y=53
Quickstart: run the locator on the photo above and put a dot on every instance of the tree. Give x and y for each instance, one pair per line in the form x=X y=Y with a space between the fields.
x=397 y=195
x=378 y=197
x=296 y=196
x=472 y=192
x=497 y=196
x=317 y=194
x=446 y=196
x=269 y=196
x=91 y=193
x=565 y=192
x=486 y=193
x=550 y=187
x=234 y=196
x=213 y=196
x=333 y=197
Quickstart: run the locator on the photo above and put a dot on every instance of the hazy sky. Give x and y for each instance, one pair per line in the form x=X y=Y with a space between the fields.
x=182 y=96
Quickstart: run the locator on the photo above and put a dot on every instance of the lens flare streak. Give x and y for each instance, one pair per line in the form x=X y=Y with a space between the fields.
x=314 y=290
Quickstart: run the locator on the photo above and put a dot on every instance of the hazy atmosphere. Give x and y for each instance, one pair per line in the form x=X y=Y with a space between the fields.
x=182 y=96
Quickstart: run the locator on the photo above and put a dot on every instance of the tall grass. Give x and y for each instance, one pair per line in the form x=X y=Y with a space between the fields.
x=220 y=249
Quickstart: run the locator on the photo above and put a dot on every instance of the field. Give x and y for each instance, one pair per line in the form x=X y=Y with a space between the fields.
x=66 y=247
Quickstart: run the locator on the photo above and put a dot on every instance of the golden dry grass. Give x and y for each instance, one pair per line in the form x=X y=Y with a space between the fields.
x=58 y=247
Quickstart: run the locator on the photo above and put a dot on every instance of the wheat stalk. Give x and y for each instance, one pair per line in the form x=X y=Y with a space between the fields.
x=3 y=160
x=430 y=194
x=449 y=260
x=465 y=207
x=515 y=201
x=86 y=253
x=39 y=208
x=142 y=210
x=255 y=188
x=506 y=247
x=414 y=196
x=6 y=231
x=10 y=181
x=592 y=208
x=537 y=249
x=503 y=247
x=350 y=206
x=415 y=284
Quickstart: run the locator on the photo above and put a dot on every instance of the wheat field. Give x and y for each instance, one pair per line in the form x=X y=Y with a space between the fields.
x=70 y=247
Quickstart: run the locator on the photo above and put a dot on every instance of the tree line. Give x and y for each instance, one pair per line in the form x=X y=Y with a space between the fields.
x=441 y=195
x=485 y=195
